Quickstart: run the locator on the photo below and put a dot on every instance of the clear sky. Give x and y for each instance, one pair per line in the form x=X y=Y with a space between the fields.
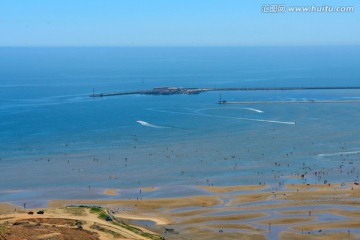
x=173 y=23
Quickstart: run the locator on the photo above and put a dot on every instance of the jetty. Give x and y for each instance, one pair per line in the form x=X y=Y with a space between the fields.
x=289 y=102
x=181 y=90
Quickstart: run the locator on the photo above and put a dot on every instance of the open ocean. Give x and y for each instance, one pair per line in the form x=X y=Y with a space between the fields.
x=56 y=141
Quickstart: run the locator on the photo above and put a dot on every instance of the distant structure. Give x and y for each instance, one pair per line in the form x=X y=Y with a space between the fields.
x=172 y=90
x=181 y=90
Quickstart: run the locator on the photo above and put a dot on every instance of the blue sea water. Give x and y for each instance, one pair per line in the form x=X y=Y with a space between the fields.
x=56 y=141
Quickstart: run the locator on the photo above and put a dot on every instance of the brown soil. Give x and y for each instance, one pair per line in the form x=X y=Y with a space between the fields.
x=39 y=229
x=70 y=223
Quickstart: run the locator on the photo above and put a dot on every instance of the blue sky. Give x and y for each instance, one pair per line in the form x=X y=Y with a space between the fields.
x=173 y=23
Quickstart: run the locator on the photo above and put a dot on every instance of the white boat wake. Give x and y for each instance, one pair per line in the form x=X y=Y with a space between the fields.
x=254 y=110
x=219 y=116
x=325 y=155
x=250 y=109
x=253 y=119
x=146 y=124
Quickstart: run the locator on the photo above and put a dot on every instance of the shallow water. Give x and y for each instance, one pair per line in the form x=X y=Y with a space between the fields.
x=56 y=141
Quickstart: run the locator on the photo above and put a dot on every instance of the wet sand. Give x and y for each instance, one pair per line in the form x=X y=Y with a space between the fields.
x=327 y=236
x=298 y=211
x=232 y=188
x=301 y=211
x=111 y=192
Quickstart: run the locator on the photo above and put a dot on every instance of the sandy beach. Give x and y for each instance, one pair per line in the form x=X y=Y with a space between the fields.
x=7 y=208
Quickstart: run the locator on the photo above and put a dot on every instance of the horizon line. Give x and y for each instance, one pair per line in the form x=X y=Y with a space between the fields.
x=176 y=46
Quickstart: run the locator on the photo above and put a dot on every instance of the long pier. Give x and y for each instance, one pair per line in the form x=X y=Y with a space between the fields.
x=113 y=94
x=175 y=90
x=290 y=102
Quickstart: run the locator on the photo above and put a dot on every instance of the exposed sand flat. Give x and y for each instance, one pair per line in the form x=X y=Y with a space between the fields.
x=316 y=186
x=320 y=194
x=190 y=213
x=204 y=233
x=250 y=197
x=346 y=213
x=320 y=236
x=111 y=192
x=242 y=236
x=339 y=194
x=225 y=218
x=170 y=203
x=354 y=223
x=267 y=206
x=148 y=189
x=234 y=226
x=232 y=188
x=339 y=212
x=157 y=217
x=229 y=215
x=287 y=220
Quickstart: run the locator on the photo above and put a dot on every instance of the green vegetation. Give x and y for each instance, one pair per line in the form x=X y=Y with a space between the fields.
x=79 y=210
x=103 y=215
x=96 y=209
x=100 y=211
